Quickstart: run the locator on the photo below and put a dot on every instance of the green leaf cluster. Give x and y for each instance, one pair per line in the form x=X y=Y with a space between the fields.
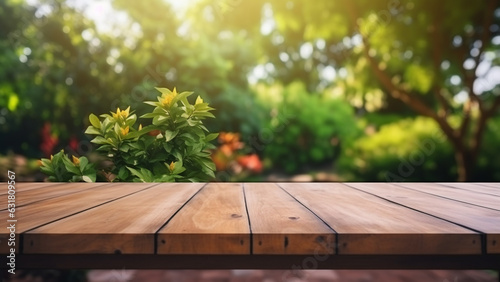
x=60 y=168
x=174 y=147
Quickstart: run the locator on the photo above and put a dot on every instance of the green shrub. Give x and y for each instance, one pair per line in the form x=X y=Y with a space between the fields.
x=307 y=129
x=60 y=168
x=173 y=148
x=406 y=150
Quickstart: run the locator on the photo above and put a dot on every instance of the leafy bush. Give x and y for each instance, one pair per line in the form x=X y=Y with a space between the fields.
x=60 y=168
x=406 y=150
x=175 y=147
x=307 y=129
x=240 y=112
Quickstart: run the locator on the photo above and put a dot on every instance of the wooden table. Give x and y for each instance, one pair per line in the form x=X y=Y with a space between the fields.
x=255 y=225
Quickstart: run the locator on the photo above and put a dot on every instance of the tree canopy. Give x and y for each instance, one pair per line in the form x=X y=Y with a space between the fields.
x=437 y=59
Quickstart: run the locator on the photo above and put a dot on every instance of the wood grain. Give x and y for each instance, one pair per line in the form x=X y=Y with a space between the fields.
x=287 y=219
x=477 y=218
x=281 y=225
x=126 y=226
x=213 y=222
x=52 y=209
x=25 y=186
x=49 y=191
x=476 y=188
x=489 y=184
x=461 y=195
x=366 y=224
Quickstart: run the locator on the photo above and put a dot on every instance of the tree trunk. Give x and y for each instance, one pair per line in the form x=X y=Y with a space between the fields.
x=465 y=164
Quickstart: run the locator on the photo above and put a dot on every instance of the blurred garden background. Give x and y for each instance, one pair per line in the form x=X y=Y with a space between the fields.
x=326 y=90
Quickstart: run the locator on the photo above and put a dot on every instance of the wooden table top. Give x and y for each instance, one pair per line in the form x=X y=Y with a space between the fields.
x=315 y=219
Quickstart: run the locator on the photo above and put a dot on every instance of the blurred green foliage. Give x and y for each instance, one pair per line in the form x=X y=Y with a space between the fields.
x=238 y=110
x=488 y=166
x=412 y=149
x=405 y=150
x=316 y=65
x=307 y=129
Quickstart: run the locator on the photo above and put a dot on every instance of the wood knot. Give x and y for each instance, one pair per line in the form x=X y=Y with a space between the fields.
x=293 y=217
x=118 y=252
x=163 y=241
x=494 y=242
x=234 y=215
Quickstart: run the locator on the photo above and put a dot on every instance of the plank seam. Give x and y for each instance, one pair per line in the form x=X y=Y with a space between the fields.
x=155 y=243
x=485 y=184
x=444 y=197
x=248 y=217
x=465 y=189
x=324 y=222
x=75 y=213
x=482 y=235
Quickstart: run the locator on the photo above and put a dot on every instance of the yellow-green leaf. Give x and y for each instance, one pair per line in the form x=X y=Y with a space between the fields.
x=94 y=120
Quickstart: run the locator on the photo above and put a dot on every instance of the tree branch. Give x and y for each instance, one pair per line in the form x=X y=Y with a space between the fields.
x=413 y=102
x=466 y=119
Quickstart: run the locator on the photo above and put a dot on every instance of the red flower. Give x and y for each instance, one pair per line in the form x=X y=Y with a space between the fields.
x=251 y=162
x=73 y=143
x=49 y=141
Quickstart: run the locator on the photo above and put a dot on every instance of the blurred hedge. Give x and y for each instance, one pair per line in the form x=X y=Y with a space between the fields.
x=413 y=149
x=306 y=129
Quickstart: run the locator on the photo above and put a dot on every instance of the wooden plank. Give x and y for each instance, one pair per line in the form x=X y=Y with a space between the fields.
x=456 y=194
x=50 y=191
x=477 y=218
x=281 y=225
x=25 y=186
x=477 y=188
x=52 y=209
x=366 y=224
x=213 y=222
x=127 y=225
x=489 y=184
